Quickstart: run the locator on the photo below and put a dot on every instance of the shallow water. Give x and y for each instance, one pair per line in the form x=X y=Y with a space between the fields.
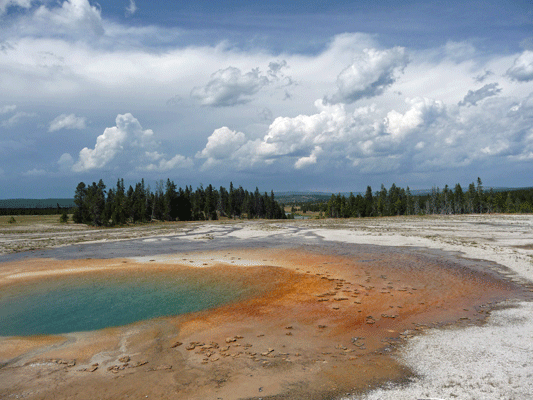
x=90 y=302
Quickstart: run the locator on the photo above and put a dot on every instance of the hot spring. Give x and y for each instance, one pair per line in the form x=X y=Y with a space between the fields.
x=92 y=301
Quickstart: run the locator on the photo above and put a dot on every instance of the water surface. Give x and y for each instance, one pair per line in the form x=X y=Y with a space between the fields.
x=95 y=301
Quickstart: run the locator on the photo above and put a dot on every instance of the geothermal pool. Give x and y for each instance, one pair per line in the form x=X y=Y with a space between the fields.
x=314 y=322
x=90 y=302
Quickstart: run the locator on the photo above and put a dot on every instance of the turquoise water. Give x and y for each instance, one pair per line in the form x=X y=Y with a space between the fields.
x=73 y=304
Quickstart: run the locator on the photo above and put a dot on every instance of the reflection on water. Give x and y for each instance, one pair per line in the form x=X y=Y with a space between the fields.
x=91 y=302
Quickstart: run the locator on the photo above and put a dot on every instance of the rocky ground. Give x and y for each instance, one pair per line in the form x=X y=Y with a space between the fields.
x=344 y=317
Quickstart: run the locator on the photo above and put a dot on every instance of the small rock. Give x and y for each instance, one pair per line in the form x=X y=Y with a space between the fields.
x=138 y=364
x=176 y=344
x=124 y=359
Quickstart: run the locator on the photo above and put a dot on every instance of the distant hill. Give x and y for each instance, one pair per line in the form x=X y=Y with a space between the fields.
x=36 y=203
x=301 y=197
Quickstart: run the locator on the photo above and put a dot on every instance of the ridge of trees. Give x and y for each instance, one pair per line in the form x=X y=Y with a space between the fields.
x=399 y=201
x=117 y=206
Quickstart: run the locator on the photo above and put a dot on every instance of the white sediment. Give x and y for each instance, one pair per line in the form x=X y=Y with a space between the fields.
x=475 y=363
x=196 y=260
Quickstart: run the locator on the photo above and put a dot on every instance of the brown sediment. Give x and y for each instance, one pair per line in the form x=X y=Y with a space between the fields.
x=328 y=325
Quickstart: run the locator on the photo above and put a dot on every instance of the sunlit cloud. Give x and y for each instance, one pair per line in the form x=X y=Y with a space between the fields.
x=124 y=145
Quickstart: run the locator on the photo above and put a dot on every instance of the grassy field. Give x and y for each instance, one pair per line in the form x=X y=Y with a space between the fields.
x=29 y=220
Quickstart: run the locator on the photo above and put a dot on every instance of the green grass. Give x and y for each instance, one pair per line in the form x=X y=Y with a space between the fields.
x=28 y=220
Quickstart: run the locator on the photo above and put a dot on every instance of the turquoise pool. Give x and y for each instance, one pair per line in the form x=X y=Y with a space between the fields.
x=90 y=302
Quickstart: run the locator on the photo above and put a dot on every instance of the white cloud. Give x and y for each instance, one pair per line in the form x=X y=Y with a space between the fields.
x=522 y=69
x=65 y=121
x=369 y=75
x=428 y=136
x=178 y=161
x=15 y=119
x=459 y=51
x=221 y=145
x=132 y=7
x=303 y=162
x=4 y=4
x=127 y=132
x=7 y=109
x=422 y=113
x=34 y=172
x=72 y=18
x=473 y=96
x=229 y=87
x=125 y=144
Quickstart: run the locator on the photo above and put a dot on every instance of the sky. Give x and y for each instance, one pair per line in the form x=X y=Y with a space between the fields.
x=328 y=96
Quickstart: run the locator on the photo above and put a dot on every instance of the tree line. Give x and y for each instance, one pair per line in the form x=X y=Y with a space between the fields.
x=117 y=206
x=400 y=201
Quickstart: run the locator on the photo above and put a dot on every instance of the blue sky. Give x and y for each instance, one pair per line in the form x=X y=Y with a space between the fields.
x=326 y=96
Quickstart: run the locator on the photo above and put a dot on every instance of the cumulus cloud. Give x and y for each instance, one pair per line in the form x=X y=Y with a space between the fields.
x=303 y=162
x=65 y=121
x=4 y=4
x=428 y=136
x=423 y=112
x=369 y=75
x=125 y=143
x=221 y=145
x=522 y=69
x=15 y=119
x=473 y=96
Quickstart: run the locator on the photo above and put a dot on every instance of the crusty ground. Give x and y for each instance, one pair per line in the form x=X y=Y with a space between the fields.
x=327 y=326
